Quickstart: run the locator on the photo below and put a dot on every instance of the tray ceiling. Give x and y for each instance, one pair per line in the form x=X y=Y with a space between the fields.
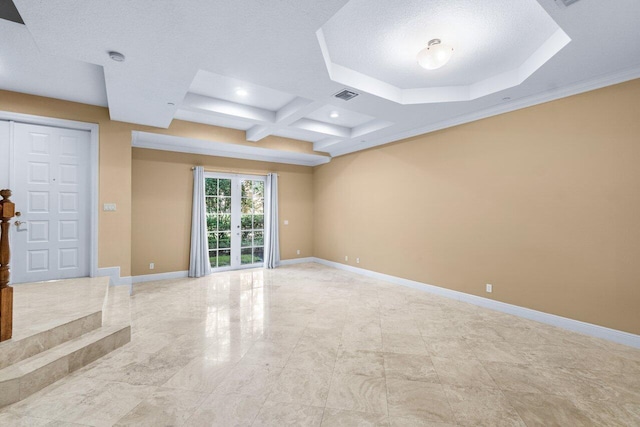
x=187 y=60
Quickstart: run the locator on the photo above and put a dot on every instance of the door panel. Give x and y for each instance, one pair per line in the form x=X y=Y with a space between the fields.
x=51 y=189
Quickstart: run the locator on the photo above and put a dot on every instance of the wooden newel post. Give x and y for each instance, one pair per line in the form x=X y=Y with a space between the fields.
x=7 y=211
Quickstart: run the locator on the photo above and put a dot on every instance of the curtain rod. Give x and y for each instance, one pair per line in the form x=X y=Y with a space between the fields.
x=236 y=172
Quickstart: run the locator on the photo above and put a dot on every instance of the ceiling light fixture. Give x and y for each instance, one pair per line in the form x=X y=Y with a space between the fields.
x=334 y=115
x=435 y=55
x=241 y=92
x=116 y=56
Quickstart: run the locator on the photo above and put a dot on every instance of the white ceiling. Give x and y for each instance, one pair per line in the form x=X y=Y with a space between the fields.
x=380 y=39
x=195 y=54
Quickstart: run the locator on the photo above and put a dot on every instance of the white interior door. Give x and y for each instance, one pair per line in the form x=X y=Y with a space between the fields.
x=235 y=220
x=51 y=189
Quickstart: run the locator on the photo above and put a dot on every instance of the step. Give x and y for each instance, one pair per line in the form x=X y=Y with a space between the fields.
x=30 y=375
x=18 y=349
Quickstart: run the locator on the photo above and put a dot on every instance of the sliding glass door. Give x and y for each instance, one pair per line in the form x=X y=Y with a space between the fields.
x=235 y=220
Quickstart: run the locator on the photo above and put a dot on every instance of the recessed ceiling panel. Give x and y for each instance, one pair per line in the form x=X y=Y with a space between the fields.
x=372 y=45
x=299 y=134
x=234 y=90
x=214 y=120
x=347 y=118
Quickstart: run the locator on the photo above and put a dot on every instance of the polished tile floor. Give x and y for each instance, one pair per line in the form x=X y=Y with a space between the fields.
x=310 y=345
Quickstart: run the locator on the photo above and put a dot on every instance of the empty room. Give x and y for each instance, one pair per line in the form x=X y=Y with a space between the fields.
x=320 y=213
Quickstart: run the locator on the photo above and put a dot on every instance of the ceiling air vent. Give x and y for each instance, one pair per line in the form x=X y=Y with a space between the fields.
x=9 y=12
x=566 y=2
x=346 y=95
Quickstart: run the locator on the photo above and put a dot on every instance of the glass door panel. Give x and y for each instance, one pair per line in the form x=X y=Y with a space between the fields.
x=218 y=202
x=252 y=221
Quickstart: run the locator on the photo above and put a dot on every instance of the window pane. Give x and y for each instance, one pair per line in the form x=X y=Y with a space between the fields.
x=213 y=258
x=247 y=188
x=213 y=241
x=224 y=204
x=224 y=240
x=258 y=189
x=245 y=222
x=258 y=238
x=246 y=206
x=224 y=258
x=210 y=186
x=224 y=187
x=258 y=222
x=211 y=204
x=246 y=238
x=245 y=256
x=212 y=222
x=258 y=254
x=224 y=222
x=258 y=206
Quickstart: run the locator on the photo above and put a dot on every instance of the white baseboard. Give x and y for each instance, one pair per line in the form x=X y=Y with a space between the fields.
x=597 y=331
x=114 y=276
x=296 y=261
x=160 y=276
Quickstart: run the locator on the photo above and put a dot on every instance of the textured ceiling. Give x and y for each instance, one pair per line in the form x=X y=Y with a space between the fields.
x=184 y=59
x=380 y=39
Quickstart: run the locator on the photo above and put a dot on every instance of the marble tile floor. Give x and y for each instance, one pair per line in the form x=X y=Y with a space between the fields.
x=48 y=314
x=310 y=345
x=40 y=306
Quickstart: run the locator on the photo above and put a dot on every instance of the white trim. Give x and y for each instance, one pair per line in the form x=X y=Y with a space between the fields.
x=114 y=276
x=160 y=276
x=297 y=261
x=507 y=107
x=597 y=331
x=222 y=149
x=94 y=169
x=240 y=267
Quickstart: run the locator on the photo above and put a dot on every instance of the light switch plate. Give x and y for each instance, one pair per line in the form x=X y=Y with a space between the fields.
x=110 y=207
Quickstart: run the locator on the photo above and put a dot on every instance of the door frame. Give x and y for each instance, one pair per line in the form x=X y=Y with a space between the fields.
x=94 y=167
x=232 y=176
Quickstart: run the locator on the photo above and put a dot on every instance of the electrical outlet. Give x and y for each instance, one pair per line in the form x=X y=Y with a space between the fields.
x=109 y=207
x=357 y=260
x=298 y=252
x=346 y=258
x=286 y=222
x=489 y=288
x=151 y=266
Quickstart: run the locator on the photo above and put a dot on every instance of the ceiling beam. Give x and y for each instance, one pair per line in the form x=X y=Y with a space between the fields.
x=285 y=117
x=229 y=109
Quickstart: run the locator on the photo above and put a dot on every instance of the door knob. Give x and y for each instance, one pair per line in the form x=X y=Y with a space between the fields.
x=18 y=213
x=18 y=223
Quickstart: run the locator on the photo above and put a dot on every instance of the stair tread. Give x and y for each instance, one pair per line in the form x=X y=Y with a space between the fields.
x=48 y=356
x=31 y=344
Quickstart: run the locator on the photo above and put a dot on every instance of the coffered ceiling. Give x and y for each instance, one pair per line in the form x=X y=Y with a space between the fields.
x=272 y=68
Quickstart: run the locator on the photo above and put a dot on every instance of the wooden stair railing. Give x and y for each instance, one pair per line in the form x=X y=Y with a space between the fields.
x=7 y=211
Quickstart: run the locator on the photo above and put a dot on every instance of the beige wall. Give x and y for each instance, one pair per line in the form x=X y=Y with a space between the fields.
x=162 y=197
x=114 y=241
x=544 y=203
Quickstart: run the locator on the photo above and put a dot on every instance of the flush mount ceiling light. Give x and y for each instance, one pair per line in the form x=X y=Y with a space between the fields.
x=435 y=55
x=241 y=92
x=116 y=56
x=334 y=115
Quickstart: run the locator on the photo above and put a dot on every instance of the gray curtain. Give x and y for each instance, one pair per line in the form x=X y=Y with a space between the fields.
x=271 y=241
x=199 y=256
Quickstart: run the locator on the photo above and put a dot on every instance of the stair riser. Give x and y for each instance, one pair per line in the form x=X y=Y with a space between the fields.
x=12 y=352
x=13 y=390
